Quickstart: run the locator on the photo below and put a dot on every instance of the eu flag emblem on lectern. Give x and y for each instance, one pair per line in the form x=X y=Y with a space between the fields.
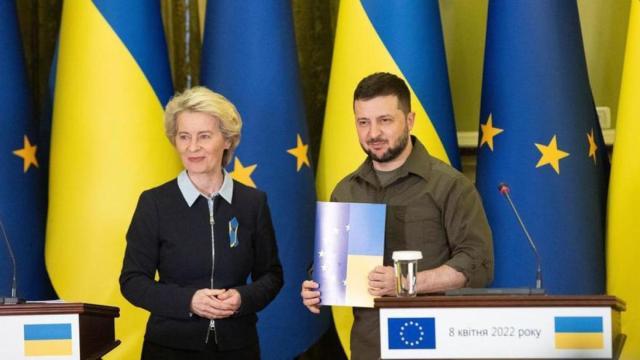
x=412 y=333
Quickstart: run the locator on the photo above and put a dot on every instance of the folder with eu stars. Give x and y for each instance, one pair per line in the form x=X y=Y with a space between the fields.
x=349 y=244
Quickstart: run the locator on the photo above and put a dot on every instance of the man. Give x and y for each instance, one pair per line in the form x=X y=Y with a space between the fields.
x=431 y=207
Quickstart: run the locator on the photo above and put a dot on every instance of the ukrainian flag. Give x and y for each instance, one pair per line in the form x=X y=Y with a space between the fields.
x=108 y=145
x=623 y=231
x=47 y=340
x=578 y=332
x=385 y=36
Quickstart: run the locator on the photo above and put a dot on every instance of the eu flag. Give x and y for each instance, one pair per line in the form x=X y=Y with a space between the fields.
x=22 y=202
x=539 y=133
x=249 y=57
x=412 y=333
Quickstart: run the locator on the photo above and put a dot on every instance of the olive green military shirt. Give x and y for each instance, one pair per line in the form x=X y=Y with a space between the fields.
x=431 y=207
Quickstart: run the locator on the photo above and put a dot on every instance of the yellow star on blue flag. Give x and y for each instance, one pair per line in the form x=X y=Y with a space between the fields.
x=489 y=132
x=593 y=147
x=243 y=173
x=551 y=155
x=28 y=154
x=300 y=152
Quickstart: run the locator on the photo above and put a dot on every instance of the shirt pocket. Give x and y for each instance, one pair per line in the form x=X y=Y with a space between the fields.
x=420 y=228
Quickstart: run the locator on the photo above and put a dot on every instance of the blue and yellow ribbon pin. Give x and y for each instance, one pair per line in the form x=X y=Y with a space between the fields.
x=233 y=233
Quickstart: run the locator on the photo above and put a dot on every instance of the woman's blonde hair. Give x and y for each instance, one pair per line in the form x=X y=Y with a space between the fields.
x=202 y=100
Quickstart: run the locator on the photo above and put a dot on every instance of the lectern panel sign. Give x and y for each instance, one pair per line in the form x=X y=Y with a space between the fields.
x=41 y=337
x=496 y=333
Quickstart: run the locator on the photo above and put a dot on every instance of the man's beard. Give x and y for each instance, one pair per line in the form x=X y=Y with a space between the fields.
x=392 y=153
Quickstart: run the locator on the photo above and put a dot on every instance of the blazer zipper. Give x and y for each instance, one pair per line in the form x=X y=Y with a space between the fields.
x=213 y=258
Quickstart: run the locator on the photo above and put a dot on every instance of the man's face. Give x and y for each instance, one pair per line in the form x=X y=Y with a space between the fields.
x=383 y=129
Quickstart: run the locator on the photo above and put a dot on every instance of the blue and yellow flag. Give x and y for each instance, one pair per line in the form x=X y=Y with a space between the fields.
x=22 y=201
x=48 y=339
x=380 y=36
x=108 y=145
x=539 y=133
x=578 y=332
x=249 y=56
x=623 y=230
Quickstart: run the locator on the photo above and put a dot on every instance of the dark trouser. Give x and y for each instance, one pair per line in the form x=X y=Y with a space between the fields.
x=151 y=351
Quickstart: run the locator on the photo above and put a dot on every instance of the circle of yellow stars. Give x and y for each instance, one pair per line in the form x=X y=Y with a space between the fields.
x=243 y=173
x=550 y=154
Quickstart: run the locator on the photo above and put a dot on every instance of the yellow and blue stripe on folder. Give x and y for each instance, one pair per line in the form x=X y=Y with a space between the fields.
x=47 y=339
x=579 y=332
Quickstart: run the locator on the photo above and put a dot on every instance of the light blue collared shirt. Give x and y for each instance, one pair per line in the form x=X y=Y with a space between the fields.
x=191 y=193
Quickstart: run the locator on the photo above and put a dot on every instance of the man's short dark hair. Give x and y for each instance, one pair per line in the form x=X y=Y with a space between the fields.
x=384 y=84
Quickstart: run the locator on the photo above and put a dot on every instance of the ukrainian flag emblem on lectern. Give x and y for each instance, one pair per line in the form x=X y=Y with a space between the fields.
x=579 y=332
x=47 y=339
x=412 y=333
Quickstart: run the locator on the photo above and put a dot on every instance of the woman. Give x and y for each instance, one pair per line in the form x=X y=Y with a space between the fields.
x=204 y=234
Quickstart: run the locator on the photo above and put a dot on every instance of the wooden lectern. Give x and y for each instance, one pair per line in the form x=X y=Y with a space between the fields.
x=500 y=327
x=64 y=330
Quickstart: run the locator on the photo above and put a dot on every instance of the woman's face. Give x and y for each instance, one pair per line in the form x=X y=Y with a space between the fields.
x=200 y=142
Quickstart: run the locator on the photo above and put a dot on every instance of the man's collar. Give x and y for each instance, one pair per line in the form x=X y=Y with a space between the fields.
x=419 y=161
x=191 y=193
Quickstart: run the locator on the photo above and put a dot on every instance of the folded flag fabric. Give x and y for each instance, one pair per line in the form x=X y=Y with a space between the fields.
x=623 y=232
x=108 y=145
x=539 y=133
x=249 y=56
x=22 y=179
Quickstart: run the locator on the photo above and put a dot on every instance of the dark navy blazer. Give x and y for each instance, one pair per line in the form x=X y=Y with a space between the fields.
x=168 y=236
